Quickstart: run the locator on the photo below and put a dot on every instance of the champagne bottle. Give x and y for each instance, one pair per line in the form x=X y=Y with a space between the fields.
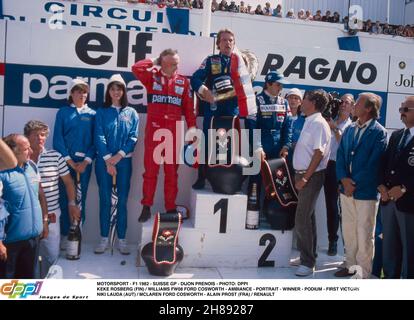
x=252 y=216
x=73 y=249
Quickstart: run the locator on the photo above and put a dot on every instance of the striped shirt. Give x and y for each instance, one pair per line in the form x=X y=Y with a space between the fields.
x=51 y=166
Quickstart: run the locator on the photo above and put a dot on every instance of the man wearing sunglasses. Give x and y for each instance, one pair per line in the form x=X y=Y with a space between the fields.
x=397 y=198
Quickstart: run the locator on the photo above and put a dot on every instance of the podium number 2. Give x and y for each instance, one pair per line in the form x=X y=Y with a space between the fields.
x=222 y=205
x=272 y=243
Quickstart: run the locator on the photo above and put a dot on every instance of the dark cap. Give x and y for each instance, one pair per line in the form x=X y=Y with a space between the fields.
x=274 y=76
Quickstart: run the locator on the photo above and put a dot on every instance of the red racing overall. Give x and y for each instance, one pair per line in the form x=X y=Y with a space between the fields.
x=168 y=99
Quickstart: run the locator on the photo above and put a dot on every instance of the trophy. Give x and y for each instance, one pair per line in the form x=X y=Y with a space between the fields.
x=223 y=88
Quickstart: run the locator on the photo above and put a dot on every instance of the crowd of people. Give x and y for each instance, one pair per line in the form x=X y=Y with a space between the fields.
x=277 y=11
x=368 y=26
x=346 y=152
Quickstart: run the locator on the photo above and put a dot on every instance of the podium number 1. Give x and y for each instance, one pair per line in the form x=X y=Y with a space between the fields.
x=272 y=243
x=222 y=205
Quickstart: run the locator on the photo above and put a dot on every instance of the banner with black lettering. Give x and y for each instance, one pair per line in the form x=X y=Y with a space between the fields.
x=42 y=61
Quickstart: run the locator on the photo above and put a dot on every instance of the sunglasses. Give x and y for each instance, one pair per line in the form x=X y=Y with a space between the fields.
x=405 y=109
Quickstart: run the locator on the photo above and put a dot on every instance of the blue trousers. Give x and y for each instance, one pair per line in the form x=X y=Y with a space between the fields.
x=377 y=262
x=398 y=243
x=123 y=179
x=21 y=259
x=331 y=201
x=84 y=180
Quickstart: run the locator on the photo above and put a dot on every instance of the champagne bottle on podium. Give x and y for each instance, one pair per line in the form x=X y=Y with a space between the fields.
x=252 y=216
x=73 y=249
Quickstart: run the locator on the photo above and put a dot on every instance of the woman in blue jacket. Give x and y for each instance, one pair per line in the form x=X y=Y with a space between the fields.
x=116 y=134
x=73 y=139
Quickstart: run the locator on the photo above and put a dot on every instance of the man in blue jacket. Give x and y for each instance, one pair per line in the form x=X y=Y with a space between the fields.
x=274 y=120
x=27 y=221
x=223 y=87
x=357 y=167
x=7 y=161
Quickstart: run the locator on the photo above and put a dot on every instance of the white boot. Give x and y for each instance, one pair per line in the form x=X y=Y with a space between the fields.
x=123 y=246
x=102 y=246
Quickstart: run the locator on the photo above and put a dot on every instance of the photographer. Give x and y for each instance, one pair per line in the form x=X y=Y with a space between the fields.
x=337 y=114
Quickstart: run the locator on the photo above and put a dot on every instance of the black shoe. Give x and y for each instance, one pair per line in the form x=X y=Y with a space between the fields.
x=201 y=179
x=343 y=273
x=333 y=248
x=199 y=184
x=145 y=214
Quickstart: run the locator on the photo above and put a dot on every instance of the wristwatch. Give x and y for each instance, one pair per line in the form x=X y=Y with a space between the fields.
x=403 y=189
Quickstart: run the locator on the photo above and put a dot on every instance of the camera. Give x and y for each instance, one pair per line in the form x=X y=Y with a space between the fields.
x=332 y=109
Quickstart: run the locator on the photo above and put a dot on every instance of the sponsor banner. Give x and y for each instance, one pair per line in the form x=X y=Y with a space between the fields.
x=60 y=14
x=145 y=18
x=401 y=77
x=41 y=62
x=36 y=44
x=47 y=86
x=393 y=115
x=15 y=117
x=321 y=67
x=203 y=289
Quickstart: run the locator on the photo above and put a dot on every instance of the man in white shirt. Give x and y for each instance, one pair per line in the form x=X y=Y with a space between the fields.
x=310 y=161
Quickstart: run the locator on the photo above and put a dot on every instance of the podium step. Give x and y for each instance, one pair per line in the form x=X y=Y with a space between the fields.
x=244 y=248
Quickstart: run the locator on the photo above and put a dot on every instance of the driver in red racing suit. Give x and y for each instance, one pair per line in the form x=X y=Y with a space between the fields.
x=169 y=96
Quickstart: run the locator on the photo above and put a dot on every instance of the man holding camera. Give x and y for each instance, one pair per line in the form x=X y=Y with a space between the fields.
x=338 y=121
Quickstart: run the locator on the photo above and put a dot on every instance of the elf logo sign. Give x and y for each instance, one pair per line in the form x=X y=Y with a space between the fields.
x=96 y=49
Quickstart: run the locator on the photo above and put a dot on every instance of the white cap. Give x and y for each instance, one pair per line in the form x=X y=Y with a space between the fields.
x=295 y=92
x=77 y=82
x=117 y=78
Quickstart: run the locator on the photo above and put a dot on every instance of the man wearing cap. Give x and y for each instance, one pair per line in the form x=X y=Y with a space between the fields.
x=224 y=88
x=397 y=198
x=73 y=139
x=116 y=134
x=273 y=118
x=169 y=97
x=309 y=161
